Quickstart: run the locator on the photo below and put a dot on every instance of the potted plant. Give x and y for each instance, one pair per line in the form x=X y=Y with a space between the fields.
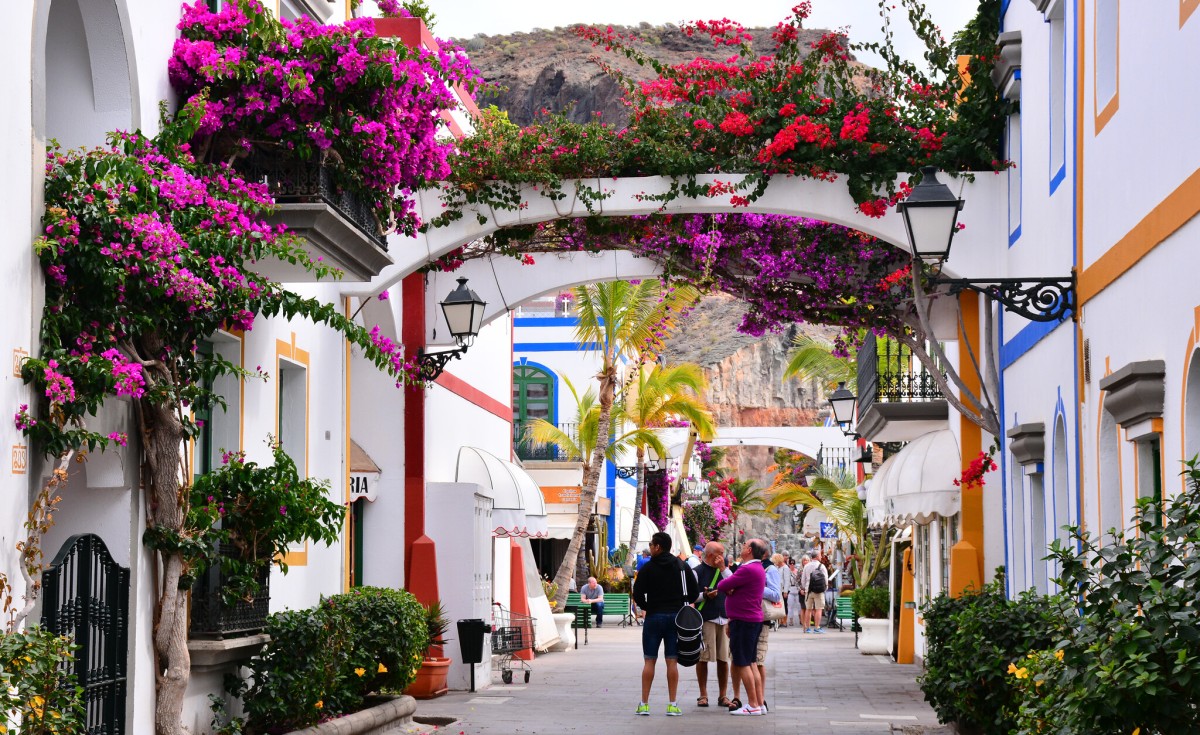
x=871 y=607
x=431 y=676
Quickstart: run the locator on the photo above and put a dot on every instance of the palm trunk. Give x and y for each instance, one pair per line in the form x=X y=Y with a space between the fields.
x=591 y=482
x=637 y=506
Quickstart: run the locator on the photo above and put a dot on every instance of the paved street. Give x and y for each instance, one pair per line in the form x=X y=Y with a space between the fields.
x=815 y=684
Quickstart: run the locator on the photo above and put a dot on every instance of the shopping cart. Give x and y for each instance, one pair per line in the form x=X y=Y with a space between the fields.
x=511 y=632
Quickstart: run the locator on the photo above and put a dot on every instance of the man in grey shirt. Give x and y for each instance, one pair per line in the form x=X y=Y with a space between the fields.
x=593 y=594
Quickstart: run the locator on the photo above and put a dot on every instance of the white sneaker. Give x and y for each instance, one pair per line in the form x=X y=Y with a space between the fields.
x=746 y=710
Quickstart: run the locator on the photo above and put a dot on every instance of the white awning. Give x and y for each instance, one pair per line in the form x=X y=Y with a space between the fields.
x=917 y=483
x=519 y=509
x=561 y=525
x=646 y=529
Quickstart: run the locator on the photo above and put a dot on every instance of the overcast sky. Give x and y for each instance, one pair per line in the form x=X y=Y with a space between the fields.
x=465 y=18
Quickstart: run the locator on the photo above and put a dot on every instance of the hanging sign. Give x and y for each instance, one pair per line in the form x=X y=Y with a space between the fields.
x=364 y=485
x=828 y=530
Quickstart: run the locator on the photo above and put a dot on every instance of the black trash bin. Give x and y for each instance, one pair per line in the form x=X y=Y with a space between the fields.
x=470 y=643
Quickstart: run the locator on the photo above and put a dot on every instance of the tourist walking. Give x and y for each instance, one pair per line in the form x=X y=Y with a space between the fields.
x=813 y=581
x=712 y=570
x=743 y=605
x=791 y=577
x=663 y=586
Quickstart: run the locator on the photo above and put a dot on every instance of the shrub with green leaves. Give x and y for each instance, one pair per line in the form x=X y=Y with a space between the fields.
x=971 y=640
x=324 y=661
x=871 y=602
x=1132 y=660
x=32 y=684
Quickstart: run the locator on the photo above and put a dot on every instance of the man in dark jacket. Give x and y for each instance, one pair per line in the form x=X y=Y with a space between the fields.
x=716 y=641
x=664 y=585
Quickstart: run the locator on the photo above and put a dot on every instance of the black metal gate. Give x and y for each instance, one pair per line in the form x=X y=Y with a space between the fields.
x=86 y=597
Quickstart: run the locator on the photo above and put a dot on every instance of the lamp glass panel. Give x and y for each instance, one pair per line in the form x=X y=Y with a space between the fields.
x=477 y=316
x=930 y=229
x=458 y=317
x=843 y=409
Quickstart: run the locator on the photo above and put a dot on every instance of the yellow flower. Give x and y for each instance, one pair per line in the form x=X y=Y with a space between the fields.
x=1012 y=668
x=320 y=704
x=1021 y=673
x=360 y=671
x=1059 y=655
x=382 y=669
x=1137 y=731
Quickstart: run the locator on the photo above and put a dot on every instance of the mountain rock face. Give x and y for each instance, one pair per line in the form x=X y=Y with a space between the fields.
x=555 y=70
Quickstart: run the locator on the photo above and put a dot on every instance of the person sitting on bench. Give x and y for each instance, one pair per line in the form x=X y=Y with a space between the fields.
x=593 y=594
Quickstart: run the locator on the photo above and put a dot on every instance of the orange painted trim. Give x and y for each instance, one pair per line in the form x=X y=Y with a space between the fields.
x=1102 y=116
x=473 y=395
x=1160 y=223
x=971 y=438
x=906 y=645
x=1186 y=8
x=413 y=32
x=288 y=351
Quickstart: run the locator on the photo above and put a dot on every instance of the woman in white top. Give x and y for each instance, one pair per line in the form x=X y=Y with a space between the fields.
x=795 y=599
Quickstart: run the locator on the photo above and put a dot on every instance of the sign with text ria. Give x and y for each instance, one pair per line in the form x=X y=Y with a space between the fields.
x=364 y=485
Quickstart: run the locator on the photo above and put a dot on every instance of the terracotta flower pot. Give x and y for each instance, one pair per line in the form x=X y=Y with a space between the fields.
x=431 y=679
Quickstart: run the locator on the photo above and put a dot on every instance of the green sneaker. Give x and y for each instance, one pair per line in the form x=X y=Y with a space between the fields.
x=674 y=711
x=643 y=709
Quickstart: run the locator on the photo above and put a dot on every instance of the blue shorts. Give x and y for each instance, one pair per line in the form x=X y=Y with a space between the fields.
x=743 y=642
x=660 y=628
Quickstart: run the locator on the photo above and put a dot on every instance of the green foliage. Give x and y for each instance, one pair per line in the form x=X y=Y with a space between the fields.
x=971 y=640
x=33 y=686
x=871 y=602
x=260 y=511
x=436 y=624
x=1132 y=658
x=324 y=661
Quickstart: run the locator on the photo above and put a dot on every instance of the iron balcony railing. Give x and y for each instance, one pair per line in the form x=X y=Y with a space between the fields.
x=838 y=459
x=213 y=617
x=888 y=372
x=527 y=450
x=293 y=181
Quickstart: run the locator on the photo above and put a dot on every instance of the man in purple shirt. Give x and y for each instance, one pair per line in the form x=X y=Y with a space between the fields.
x=743 y=606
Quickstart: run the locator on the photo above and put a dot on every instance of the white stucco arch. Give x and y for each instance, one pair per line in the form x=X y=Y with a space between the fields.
x=504 y=282
x=807 y=440
x=84 y=76
x=977 y=251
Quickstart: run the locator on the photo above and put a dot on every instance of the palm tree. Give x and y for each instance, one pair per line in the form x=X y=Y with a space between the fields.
x=576 y=447
x=659 y=395
x=813 y=359
x=839 y=499
x=616 y=319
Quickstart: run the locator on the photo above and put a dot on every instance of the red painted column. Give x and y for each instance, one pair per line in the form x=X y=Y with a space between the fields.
x=519 y=600
x=420 y=568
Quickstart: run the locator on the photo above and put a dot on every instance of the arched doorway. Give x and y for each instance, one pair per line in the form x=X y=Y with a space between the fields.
x=1062 y=505
x=1111 y=513
x=1191 y=408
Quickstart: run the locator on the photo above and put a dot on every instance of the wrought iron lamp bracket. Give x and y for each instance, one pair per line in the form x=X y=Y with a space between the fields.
x=1036 y=299
x=432 y=364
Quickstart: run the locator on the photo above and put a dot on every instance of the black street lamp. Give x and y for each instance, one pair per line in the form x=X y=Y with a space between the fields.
x=463 y=310
x=843 y=403
x=652 y=462
x=931 y=218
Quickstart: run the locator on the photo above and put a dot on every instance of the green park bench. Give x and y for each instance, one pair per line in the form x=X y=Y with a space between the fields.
x=844 y=610
x=616 y=604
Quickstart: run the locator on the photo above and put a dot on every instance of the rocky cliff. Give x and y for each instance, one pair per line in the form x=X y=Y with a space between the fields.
x=554 y=69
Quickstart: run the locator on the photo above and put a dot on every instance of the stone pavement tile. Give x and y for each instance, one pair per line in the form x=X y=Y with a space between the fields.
x=815 y=683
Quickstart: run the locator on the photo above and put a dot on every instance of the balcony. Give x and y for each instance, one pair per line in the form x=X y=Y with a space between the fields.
x=530 y=452
x=898 y=399
x=213 y=617
x=339 y=228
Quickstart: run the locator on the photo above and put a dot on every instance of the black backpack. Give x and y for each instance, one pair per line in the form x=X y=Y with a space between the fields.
x=816 y=579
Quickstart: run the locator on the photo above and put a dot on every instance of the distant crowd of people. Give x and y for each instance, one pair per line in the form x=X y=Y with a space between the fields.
x=741 y=601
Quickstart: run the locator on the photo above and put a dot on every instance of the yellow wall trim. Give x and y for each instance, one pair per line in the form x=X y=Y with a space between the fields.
x=1162 y=222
